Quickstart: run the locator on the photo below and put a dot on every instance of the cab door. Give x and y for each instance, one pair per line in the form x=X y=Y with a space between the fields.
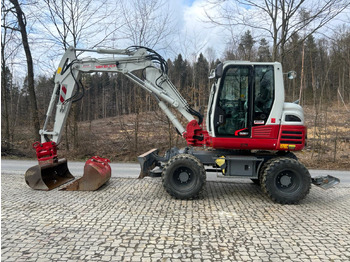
x=232 y=116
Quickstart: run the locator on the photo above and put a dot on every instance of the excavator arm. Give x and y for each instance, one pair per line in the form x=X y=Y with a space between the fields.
x=68 y=89
x=155 y=81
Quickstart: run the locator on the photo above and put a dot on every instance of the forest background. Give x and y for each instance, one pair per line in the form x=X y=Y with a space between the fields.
x=118 y=120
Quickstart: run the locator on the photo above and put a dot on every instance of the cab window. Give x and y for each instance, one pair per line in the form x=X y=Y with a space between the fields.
x=233 y=101
x=263 y=93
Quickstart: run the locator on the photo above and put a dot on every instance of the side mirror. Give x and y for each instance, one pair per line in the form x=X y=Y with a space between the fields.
x=212 y=74
x=219 y=70
x=292 y=74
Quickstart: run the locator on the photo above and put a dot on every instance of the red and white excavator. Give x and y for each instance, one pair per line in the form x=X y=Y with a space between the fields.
x=250 y=131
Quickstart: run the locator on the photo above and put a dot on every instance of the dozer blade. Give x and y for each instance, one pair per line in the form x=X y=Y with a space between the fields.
x=48 y=176
x=97 y=172
x=325 y=182
x=147 y=161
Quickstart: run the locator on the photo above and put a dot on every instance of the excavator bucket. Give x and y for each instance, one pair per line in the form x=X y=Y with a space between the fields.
x=97 y=172
x=48 y=176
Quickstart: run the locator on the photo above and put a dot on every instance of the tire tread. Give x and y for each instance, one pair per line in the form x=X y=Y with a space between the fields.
x=270 y=168
x=202 y=176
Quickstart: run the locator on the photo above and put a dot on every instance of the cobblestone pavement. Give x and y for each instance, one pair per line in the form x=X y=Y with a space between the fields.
x=135 y=220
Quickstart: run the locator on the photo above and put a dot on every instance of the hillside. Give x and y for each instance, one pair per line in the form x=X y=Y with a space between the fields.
x=123 y=138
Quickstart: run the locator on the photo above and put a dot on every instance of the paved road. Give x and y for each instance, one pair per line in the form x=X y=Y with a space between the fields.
x=136 y=220
x=126 y=170
x=132 y=170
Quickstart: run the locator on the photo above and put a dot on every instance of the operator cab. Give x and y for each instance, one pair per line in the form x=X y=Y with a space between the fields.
x=243 y=103
x=244 y=98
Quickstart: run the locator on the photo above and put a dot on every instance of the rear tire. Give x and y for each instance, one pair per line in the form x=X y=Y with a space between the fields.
x=264 y=165
x=184 y=176
x=285 y=180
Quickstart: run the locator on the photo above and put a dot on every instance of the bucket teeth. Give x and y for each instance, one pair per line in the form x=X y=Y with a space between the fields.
x=48 y=176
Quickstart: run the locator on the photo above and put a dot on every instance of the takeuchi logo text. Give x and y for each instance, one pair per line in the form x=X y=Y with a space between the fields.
x=105 y=66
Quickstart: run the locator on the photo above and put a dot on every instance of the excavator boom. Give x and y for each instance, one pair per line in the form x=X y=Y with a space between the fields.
x=52 y=171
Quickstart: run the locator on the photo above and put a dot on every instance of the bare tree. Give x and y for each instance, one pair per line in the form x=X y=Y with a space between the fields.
x=4 y=78
x=278 y=19
x=21 y=27
x=148 y=22
x=77 y=22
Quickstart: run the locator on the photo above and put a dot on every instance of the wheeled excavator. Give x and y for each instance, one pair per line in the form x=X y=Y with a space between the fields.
x=249 y=130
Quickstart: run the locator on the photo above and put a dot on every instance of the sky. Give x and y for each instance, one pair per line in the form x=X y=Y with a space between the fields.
x=193 y=22
x=192 y=35
x=198 y=33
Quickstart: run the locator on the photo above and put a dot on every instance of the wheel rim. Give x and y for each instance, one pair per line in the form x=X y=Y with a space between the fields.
x=183 y=178
x=287 y=181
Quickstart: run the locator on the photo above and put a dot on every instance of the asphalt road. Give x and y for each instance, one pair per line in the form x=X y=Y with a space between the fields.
x=132 y=170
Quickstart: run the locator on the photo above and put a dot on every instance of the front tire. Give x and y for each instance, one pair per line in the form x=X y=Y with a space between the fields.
x=286 y=180
x=184 y=176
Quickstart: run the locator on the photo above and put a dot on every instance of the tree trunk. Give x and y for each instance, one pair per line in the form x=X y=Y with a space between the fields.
x=31 y=90
x=4 y=96
x=302 y=75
